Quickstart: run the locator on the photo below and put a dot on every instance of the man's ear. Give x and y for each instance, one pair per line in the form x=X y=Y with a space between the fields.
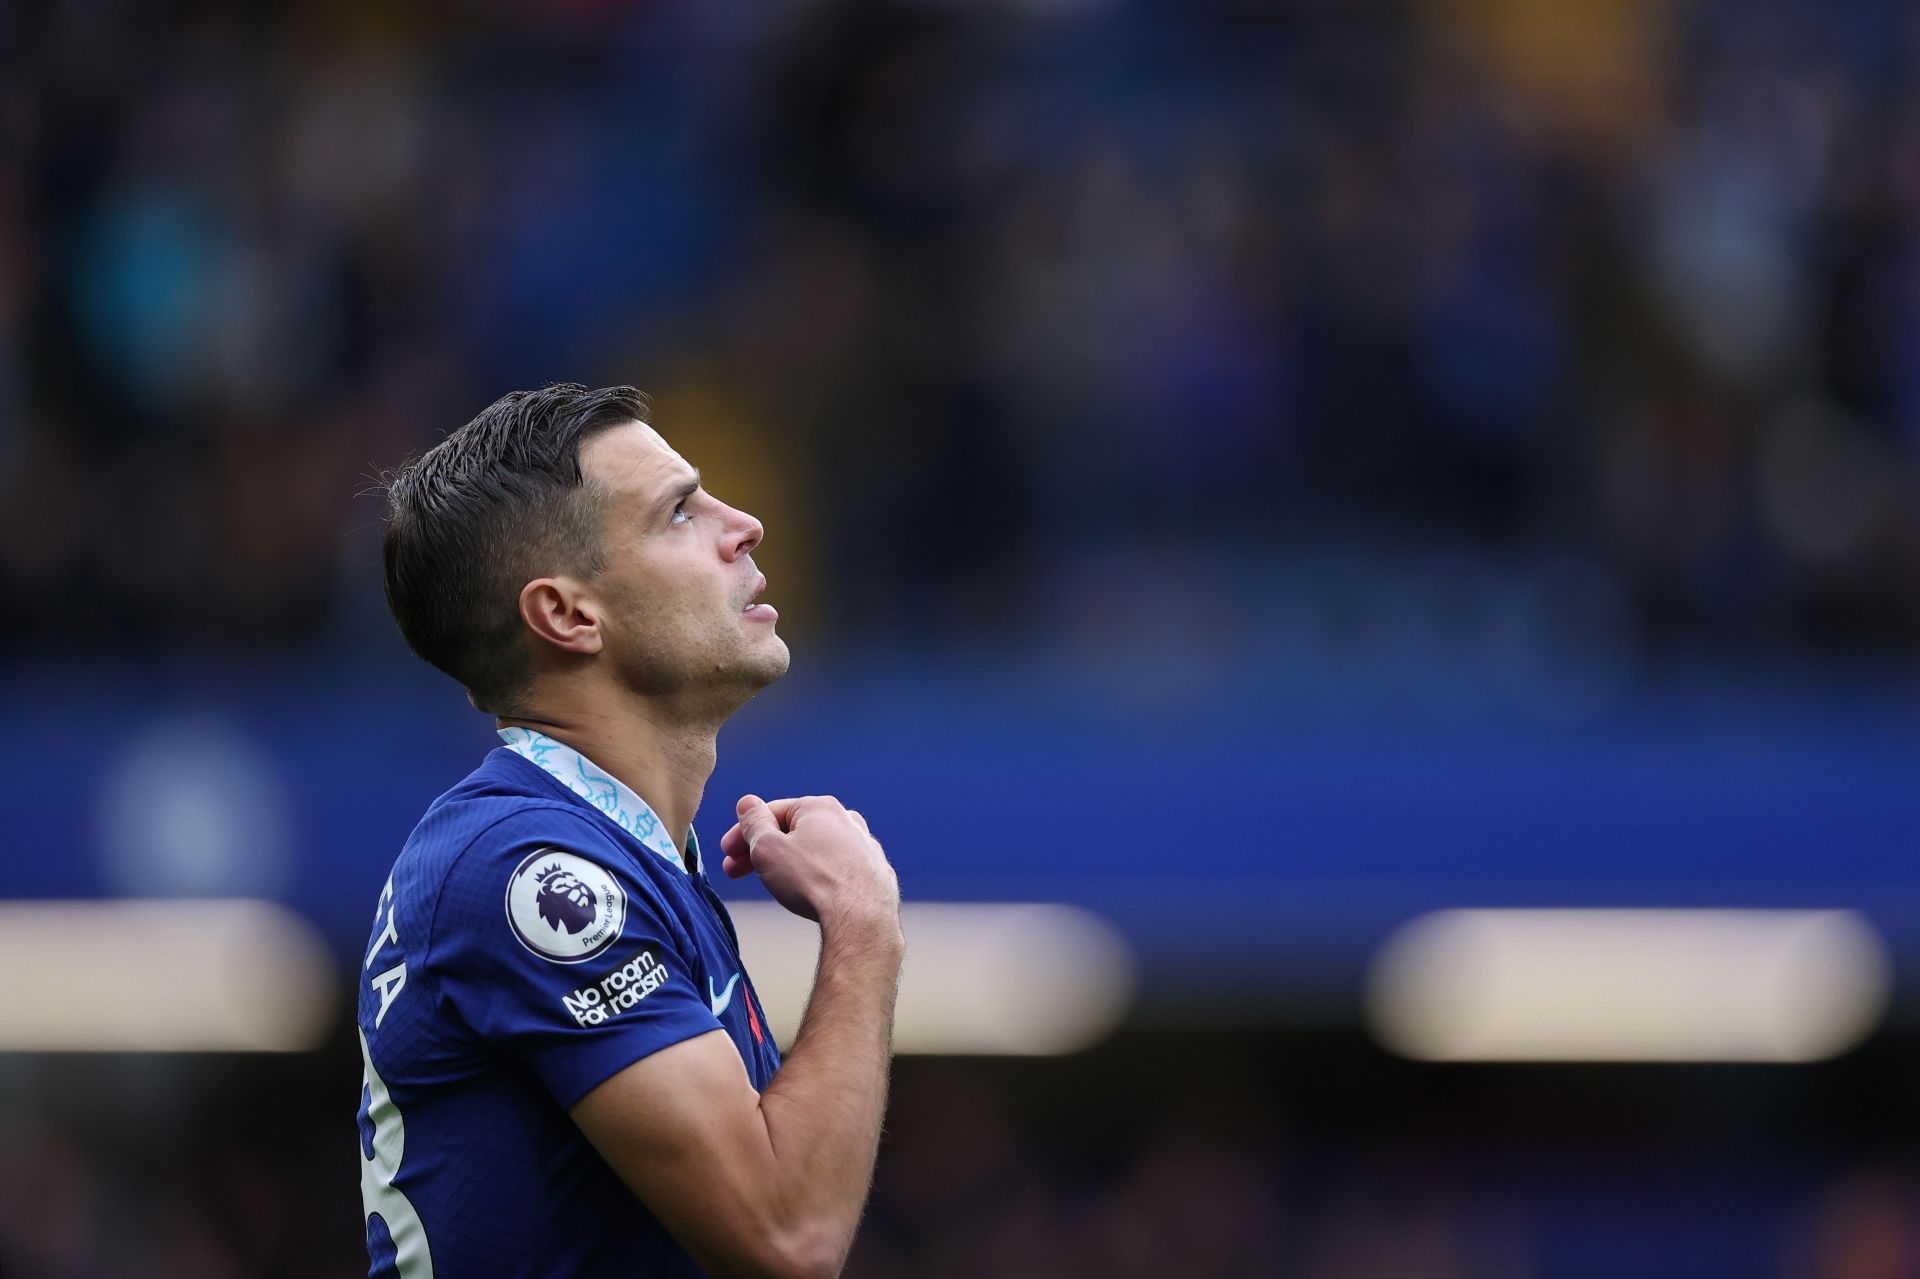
x=560 y=611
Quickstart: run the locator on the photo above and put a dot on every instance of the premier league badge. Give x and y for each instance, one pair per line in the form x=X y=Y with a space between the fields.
x=563 y=907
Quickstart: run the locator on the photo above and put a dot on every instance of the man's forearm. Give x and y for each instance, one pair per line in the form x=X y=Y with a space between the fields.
x=824 y=1107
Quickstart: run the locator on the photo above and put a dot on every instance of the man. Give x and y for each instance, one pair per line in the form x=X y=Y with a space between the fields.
x=567 y=1071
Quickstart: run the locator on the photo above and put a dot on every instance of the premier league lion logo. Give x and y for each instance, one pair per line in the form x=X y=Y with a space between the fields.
x=564 y=901
x=565 y=907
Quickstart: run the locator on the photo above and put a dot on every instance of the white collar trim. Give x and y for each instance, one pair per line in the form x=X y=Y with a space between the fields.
x=600 y=788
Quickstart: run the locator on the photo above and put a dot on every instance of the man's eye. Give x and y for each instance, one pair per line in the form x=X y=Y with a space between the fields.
x=680 y=515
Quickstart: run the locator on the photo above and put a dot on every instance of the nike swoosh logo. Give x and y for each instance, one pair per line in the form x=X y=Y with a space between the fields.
x=725 y=997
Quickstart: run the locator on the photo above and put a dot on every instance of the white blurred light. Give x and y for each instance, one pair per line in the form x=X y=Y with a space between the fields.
x=194 y=809
x=1629 y=985
x=994 y=980
x=161 y=976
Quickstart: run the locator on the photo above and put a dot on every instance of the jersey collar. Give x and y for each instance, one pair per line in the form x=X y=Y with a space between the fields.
x=601 y=789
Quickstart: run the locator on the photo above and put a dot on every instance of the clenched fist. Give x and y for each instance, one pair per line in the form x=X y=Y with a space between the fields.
x=816 y=856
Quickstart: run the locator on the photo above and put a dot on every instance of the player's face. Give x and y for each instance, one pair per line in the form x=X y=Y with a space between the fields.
x=680 y=582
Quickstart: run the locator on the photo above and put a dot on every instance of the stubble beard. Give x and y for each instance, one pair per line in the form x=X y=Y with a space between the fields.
x=761 y=661
x=707 y=680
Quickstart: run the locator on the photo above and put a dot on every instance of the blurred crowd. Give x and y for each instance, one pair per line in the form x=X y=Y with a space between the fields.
x=978 y=303
x=1208 y=1158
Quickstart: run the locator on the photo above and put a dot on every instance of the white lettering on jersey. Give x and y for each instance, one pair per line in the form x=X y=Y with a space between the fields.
x=618 y=991
x=394 y=980
x=389 y=933
x=378 y=1172
x=389 y=984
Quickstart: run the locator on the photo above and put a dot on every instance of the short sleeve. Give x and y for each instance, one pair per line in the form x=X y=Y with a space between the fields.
x=556 y=952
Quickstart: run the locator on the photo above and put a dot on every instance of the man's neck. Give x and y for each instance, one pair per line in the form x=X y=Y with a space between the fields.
x=665 y=763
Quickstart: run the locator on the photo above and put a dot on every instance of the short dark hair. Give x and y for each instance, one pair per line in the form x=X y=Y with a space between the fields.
x=496 y=504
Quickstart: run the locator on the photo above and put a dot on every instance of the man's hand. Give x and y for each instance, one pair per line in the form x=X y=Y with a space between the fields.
x=772 y=1183
x=815 y=856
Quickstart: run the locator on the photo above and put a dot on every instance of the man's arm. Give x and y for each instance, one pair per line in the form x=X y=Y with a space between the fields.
x=773 y=1184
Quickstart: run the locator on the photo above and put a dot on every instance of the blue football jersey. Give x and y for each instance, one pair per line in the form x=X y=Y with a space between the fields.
x=539 y=933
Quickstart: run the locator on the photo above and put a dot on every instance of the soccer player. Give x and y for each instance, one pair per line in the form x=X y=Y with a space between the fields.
x=567 y=1070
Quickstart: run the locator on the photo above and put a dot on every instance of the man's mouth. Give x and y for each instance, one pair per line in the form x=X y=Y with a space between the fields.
x=762 y=612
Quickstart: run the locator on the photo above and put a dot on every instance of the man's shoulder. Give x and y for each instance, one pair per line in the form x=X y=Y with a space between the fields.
x=480 y=819
x=481 y=835
x=503 y=788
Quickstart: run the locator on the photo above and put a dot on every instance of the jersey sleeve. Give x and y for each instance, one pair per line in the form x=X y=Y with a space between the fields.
x=555 y=951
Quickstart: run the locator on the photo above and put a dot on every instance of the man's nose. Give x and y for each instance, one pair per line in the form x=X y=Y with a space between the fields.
x=743 y=533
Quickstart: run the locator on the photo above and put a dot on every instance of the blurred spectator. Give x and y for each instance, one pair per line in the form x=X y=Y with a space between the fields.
x=1631 y=285
x=1202 y=1157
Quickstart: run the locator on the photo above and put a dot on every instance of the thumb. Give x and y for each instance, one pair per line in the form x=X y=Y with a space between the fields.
x=756 y=820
